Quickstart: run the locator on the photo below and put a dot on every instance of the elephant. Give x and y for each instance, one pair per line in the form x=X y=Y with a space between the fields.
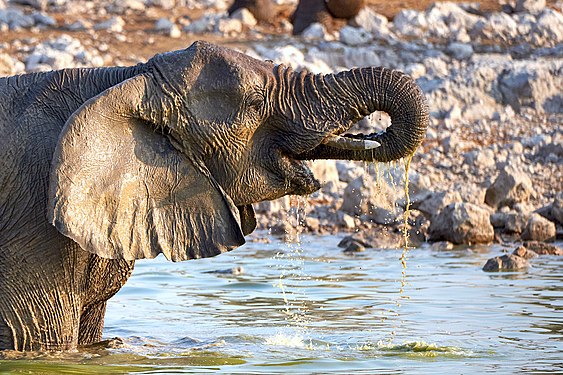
x=325 y=12
x=104 y=166
x=263 y=10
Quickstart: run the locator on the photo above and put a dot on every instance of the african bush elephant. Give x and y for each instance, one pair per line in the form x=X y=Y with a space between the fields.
x=324 y=12
x=104 y=166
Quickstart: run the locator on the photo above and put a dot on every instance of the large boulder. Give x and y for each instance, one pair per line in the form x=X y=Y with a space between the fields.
x=437 y=201
x=539 y=228
x=462 y=223
x=510 y=187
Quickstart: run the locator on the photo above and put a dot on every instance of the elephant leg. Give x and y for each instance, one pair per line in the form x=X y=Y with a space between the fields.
x=92 y=324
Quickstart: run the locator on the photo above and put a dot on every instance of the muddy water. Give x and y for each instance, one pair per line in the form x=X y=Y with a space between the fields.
x=314 y=309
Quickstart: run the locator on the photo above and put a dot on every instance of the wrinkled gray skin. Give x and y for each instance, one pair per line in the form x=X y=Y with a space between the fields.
x=100 y=167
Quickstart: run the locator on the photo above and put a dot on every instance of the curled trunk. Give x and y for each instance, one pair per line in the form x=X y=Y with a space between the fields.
x=369 y=90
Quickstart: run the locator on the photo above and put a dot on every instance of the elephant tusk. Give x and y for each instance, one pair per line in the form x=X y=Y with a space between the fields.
x=350 y=143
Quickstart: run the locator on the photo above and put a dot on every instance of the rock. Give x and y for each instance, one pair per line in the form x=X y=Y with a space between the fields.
x=509 y=262
x=313 y=224
x=442 y=246
x=481 y=158
x=354 y=247
x=281 y=229
x=497 y=26
x=377 y=239
x=539 y=228
x=314 y=31
x=510 y=187
x=202 y=25
x=37 y=4
x=530 y=6
x=346 y=221
x=354 y=36
x=15 y=19
x=43 y=19
x=122 y=6
x=163 y=24
x=557 y=208
x=78 y=25
x=437 y=201
x=515 y=222
x=366 y=196
x=245 y=17
x=522 y=252
x=460 y=51
x=410 y=22
x=228 y=26
x=533 y=84
x=542 y=248
x=325 y=171
x=462 y=223
x=470 y=193
x=547 y=31
x=164 y=4
x=114 y=24
x=10 y=66
x=59 y=53
x=372 y=22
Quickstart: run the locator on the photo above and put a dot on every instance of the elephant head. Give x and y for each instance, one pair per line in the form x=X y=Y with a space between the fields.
x=171 y=160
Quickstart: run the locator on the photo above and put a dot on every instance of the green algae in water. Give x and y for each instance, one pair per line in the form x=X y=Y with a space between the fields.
x=416 y=349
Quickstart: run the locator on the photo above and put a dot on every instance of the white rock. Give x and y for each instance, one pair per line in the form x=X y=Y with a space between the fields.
x=175 y=32
x=530 y=6
x=202 y=25
x=114 y=24
x=411 y=23
x=244 y=16
x=163 y=24
x=37 y=4
x=314 y=31
x=15 y=19
x=548 y=29
x=164 y=4
x=497 y=26
x=228 y=26
x=354 y=36
x=460 y=51
x=371 y=21
x=10 y=66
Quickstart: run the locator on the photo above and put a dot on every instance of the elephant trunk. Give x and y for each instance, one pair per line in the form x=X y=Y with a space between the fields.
x=359 y=92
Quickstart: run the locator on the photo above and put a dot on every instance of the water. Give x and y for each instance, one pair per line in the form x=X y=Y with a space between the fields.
x=309 y=308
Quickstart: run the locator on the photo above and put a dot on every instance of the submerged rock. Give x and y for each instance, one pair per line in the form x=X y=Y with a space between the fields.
x=522 y=252
x=542 y=248
x=509 y=262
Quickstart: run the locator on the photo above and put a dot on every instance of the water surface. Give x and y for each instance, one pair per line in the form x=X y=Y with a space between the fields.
x=309 y=308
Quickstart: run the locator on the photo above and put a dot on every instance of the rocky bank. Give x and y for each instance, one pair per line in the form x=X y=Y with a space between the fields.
x=491 y=168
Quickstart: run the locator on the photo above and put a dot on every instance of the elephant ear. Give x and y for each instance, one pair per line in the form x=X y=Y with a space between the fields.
x=122 y=191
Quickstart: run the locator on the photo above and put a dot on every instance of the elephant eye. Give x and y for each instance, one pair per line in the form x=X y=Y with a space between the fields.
x=255 y=99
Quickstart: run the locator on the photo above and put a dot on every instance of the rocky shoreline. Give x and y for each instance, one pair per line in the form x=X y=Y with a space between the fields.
x=491 y=168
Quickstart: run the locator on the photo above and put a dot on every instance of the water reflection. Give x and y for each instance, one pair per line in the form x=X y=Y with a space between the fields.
x=317 y=309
